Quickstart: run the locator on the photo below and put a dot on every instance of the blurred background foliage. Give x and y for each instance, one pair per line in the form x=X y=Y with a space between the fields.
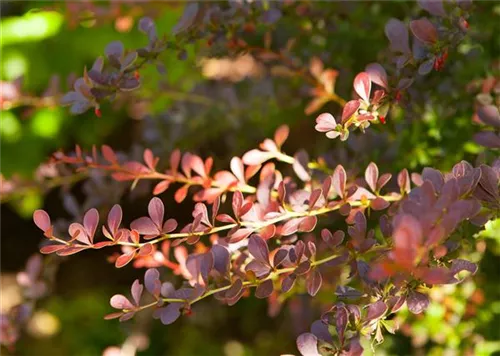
x=48 y=42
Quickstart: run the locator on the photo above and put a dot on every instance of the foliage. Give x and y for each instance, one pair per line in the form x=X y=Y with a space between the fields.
x=370 y=248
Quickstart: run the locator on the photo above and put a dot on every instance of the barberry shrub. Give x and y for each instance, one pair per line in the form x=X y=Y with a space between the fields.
x=263 y=226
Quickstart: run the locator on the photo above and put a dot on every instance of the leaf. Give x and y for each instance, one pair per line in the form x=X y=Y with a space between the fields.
x=325 y=122
x=256 y=157
x=152 y=281
x=314 y=282
x=377 y=75
x=181 y=193
x=238 y=169
x=303 y=268
x=489 y=115
x=221 y=258
x=281 y=135
x=124 y=259
x=187 y=19
x=169 y=314
x=363 y=86
x=288 y=283
x=417 y=302
x=114 y=49
x=240 y=234
x=350 y=108
x=300 y=165
x=235 y=289
x=307 y=344
x=376 y=310
x=487 y=139
x=433 y=7
x=265 y=289
x=426 y=67
x=371 y=176
x=136 y=291
x=424 y=30
x=115 y=218
x=161 y=187
x=145 y=226
x=339 y=180
x=404 y=181
x=42 y=220
x=121 y=302
x=397 y=33
x=258 y=248
x=279 y=257
x=90 y=221
x=307 y=224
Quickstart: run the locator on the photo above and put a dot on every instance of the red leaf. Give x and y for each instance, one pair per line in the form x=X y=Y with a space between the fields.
x=308 y=223
x=339 y=180
x=124 y=259
x=161 y=187
x=149 y=159
x=51 y=248
x=363 y=86
x=42 y=220
x=258 y=249
x=424 y=30
x=281 y=135
x=115 y=218
x=290 y=227
x=181 y=193
x=350 y=108
x=371 y=176
x=108 y=154
x=145 y=226
x=240 y=234
x=175 y=159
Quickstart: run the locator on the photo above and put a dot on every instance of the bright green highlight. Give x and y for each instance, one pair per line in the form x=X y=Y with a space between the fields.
x=30 y=27
x=47 y=123
x=14 y=65
x=10 y=127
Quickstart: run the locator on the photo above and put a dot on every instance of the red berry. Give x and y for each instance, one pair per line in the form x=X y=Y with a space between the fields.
x=382 y=119
x=97 y=112
x=137 y=75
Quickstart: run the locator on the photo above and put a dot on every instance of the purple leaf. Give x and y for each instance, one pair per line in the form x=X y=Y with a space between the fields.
x=121 y=302
x=489 y=115
x=397 y=33
x=288 y=283
x=325 y=122
x=145 y=226
x=169 y=314
x=114 y=49
x=307 y=344
x=156 y=211
x=265 y=289
x=487 y=139
x=136 y=291
x=221 y=259
x=152 y=281
x=377 y=75
x=313 y=283
x=376 y=310
x=279 y=257
x=433 y=7
x=300 y=165
x=417 y=302
x=258 y=248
